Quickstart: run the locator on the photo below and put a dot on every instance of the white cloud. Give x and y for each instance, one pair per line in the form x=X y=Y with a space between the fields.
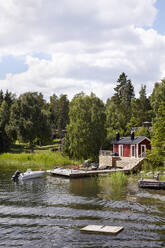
x=90 y=42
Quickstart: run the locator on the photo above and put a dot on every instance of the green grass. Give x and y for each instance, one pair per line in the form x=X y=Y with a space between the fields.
x=37 y=160
x=118 y=179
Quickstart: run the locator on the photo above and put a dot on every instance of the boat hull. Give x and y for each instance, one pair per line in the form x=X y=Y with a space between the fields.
x=31 y=175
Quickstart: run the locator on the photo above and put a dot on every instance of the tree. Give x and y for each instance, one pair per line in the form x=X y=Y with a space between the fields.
x=59 y=109
x=86 y=130
x=118 y=108
x=141 y=109
x=4 y=120
x=9 y=97
x=63 y=112
x=157 y=100
x=53 y=108
x=113 y=120
x=1 y=97
x=28 y=119
x=124 y=91
x=6 y=101
x=143 y=131
x=157 y=96
x=158 y=139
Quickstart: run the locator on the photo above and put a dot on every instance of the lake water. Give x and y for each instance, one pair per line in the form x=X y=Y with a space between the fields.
x=50 y=211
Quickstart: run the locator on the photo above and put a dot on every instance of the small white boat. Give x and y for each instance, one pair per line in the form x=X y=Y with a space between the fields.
x=29 y=174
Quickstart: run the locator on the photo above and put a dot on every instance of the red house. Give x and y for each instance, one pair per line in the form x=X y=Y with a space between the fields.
x=131 y=146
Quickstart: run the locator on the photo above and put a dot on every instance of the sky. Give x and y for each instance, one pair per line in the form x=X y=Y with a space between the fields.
x=68 y=46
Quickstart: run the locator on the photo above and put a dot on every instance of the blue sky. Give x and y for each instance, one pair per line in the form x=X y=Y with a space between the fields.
x=68 y=46
x=159 y=23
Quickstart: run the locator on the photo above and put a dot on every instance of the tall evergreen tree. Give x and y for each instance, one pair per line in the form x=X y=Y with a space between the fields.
x=1 y=97
x=118 y=108
x=141 y=109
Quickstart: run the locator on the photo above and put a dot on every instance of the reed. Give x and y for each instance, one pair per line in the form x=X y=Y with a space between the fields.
x=43 y=160
x=147 y=166
x=119 y=179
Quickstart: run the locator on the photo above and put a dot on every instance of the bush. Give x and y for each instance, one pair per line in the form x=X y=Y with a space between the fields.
x=155 y=157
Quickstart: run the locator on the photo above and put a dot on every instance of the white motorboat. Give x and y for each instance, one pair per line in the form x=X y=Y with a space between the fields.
x=29 y=174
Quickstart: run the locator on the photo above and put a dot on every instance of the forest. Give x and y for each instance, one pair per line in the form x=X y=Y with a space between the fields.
x=86 y=123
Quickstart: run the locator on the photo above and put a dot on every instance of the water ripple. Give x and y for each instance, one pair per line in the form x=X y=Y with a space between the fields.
x=50 y=212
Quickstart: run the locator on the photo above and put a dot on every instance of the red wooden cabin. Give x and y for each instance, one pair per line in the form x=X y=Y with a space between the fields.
x=131 y=146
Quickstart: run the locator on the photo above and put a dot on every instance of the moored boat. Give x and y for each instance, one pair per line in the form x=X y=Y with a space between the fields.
x=29 y=174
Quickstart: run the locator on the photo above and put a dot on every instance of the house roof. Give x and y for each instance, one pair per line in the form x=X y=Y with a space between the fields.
x=128 y=140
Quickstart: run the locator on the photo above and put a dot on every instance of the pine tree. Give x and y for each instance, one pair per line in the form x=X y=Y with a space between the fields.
x=141 y=109
x=118 y=108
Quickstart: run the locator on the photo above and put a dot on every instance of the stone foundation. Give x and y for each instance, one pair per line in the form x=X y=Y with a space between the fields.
x=119 y=162
x=105 y=161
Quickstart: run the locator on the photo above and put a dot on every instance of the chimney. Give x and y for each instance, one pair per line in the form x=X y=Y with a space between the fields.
x=132 y=135
x=117 y=136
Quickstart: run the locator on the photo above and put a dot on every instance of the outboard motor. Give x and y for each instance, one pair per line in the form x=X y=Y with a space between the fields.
x=16 y=175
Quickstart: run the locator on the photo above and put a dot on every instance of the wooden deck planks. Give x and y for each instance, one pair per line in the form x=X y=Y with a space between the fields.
x=102 y=229
x=70 y=173
x=151 y=183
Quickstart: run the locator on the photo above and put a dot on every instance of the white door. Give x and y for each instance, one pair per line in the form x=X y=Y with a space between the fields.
x=133 y=151
x=121 y=150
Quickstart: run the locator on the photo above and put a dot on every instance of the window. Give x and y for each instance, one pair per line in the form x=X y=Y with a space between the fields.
x=132 y=150
x=143 y=150
x=121 y=150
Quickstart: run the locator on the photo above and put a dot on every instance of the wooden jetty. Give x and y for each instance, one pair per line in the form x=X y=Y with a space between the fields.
x=72 y=173
x=102 y=229
x=151 y=183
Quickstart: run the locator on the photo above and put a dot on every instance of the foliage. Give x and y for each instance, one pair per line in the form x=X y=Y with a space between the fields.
x=28 y=119
x=118 y=178
x=44 y=160
x=31 y=119
x=118 y=108
x=65 y=146
x=140 y=109
x=158 y=140
x=157 y=96
x=6 y=101
x=147 y=166
x=143 y=131
x=86 y=130
x=59 y=109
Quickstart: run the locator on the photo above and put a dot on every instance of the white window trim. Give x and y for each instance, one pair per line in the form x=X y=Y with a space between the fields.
x=122 y=150
x=137 y=150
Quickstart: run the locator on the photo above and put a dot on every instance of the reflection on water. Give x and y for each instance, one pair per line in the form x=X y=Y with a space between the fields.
x=111 y=191
x=49 y=212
